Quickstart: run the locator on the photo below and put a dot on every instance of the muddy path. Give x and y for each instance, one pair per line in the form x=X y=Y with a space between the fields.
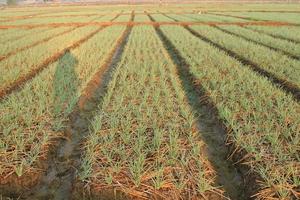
x=211 y=129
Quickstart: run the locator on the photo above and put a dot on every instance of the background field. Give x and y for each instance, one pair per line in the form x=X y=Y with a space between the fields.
x=168 y=101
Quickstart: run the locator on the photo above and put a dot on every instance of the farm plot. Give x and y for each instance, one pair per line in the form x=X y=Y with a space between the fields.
x=276 y=63
x=15 y=45
x=249 y=110
x=270 y=16
x=211 y=17
x=38 y=20
x=288 y=33
x=15 y=34
x=32 y=59
x=144 y=141
x=123 y=18
x=29 y=126
x=285 y=47
x=141 y=18
x=177 y=101
x=161 y=18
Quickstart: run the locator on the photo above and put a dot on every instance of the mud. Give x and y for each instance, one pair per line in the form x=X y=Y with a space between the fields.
x=281 y=83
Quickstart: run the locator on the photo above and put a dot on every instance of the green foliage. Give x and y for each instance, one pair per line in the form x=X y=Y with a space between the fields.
x=11 y=2
x=31 y=117
x=265 y=120
x=146 y=127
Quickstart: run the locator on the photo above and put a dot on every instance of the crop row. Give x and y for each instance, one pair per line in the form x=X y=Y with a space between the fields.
x=286 y=17
x=26 y=61
x=30 y=40
x=144 y=141
x=264 y=121
x=51 y=20
x=205 y=17
x=290 y=49
x=289 y=32
x=141 y=18
x=272 y=61
x=14 y=34
x=27 y=127
x=279 y=65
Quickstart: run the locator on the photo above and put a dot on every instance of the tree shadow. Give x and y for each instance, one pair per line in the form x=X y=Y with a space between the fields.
x=212 y=132
x=65 y=85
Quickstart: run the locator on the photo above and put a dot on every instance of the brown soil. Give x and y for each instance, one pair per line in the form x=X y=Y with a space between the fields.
x=22 y=80
x=258 y=23
x=13 y=185
x=96 y=193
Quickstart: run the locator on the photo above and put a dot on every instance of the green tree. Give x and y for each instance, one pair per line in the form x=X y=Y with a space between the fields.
x=11 y=2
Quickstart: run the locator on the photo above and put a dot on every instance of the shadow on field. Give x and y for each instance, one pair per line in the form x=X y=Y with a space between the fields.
x=59 y=182
x=211 y=130
x=65 y=84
